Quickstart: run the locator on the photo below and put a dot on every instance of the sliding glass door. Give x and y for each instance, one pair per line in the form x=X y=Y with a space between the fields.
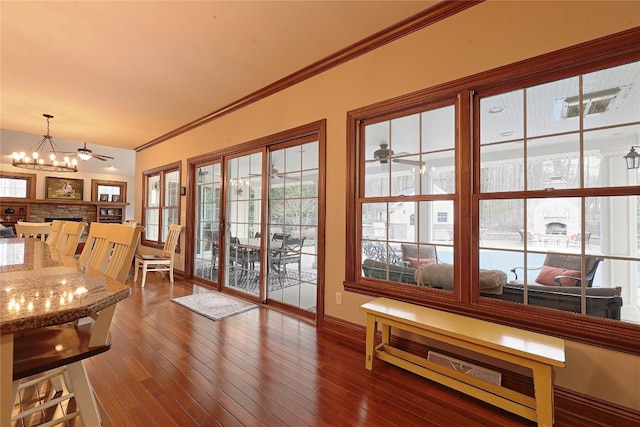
x=293 y=225
x=257 y=221
x=208 y=199
x=243 y=223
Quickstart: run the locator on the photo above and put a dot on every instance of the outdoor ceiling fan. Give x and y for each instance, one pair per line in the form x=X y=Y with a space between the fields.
x=276 y=175
x=383 y=154
x=85 y=154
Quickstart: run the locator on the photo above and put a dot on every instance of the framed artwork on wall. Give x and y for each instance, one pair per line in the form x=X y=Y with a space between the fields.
x=64 y=188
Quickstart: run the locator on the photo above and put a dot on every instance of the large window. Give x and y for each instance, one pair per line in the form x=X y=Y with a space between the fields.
x=161 y=202
x=17 y=185
x=506 y=194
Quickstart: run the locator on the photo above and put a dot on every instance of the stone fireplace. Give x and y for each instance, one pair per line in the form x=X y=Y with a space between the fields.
x=44 y=212
x=556 y=217
x=556 y=228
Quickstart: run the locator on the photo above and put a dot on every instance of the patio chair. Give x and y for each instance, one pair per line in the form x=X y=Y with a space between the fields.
x=163 y=262
x=289 y=253
x=530 y=236
x=576 y=239
x=562 y=270
x=417 y=254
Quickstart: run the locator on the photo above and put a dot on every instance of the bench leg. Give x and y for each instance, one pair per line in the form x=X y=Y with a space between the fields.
x=543 y=386
x=386 y=334
x=371 y=334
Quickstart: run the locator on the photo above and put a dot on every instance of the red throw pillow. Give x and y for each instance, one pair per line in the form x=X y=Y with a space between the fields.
x=415 y=262
x=547 y=274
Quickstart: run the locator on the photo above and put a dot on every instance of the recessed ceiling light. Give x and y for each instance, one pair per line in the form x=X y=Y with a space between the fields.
x=496 y=109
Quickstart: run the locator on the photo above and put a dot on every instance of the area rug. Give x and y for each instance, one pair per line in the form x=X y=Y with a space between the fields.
x=214 y=305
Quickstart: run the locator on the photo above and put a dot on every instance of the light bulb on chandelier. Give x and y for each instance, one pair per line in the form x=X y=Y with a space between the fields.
x=36 y=162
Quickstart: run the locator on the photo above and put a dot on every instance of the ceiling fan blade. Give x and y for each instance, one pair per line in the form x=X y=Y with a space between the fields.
x=409 y=162
x=101 y=157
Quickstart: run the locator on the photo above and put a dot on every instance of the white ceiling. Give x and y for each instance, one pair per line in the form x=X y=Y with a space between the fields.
x=120 y=74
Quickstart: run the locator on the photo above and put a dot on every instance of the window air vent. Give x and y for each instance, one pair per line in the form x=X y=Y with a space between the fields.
x=592 y=103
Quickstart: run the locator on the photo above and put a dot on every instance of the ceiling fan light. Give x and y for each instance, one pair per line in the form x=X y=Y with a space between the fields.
x=83 y=155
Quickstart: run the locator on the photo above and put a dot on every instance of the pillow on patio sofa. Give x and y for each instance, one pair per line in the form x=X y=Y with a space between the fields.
x=416 y=262
x=548 y=274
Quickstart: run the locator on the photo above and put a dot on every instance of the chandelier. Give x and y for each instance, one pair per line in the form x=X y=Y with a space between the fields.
x=37 y=162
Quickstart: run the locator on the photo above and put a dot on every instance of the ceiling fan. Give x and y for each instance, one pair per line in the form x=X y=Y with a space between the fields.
x=277 y=175
x=85 y=154
x=383 y=154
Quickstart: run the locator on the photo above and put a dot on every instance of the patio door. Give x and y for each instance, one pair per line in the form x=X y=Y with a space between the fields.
x=208 y=203
x=243 y=258
x=293 y=224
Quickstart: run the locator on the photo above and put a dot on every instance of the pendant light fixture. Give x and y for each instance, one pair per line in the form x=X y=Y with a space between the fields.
x=56 y=162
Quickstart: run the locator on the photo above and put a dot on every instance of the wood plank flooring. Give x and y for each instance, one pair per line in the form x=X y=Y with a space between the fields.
x=169 y=366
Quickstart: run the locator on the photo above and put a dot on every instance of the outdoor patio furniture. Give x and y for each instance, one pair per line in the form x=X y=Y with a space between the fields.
x=561 y=270
x=600 y=302
x=576 y=239
x=289 y=253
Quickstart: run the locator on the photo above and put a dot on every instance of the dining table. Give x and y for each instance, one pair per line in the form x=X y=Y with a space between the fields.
x=41 y=287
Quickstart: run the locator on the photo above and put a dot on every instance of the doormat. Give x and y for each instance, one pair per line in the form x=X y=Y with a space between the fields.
x=214 y=305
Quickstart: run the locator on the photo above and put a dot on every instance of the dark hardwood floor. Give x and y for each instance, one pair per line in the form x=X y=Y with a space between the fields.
x=169 y=366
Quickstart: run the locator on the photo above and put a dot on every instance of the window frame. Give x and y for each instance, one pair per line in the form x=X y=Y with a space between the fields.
x=602 y=53
x=31 y=183
x=161 y=172
x=122 y=185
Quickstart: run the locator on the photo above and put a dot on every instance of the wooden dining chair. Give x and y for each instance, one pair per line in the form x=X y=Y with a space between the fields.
x=37 y=357
x=110 y=248
x=163 y=262
x=70 y=237
x=33 y=229
x=54 y=234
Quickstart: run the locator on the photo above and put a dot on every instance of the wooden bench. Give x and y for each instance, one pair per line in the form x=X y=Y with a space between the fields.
x=538 y=352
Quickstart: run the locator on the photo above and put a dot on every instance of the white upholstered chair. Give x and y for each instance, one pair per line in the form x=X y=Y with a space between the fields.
x=163 y=262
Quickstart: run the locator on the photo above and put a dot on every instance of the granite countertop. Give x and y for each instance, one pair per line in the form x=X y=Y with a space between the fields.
x=39 y=287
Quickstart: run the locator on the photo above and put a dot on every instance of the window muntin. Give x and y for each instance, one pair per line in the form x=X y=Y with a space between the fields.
x=161 y=203
x=564 y=150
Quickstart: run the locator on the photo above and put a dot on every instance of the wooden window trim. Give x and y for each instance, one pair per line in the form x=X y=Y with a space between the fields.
x=31 y=179
x=161 y=170
x=96 y=182
x=602 y=53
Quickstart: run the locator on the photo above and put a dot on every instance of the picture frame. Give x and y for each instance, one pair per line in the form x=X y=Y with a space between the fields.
x=104 y=197
x=64 y=188
x=115 y=197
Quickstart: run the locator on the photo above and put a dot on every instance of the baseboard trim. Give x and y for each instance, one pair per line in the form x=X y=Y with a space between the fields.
x=571 y=407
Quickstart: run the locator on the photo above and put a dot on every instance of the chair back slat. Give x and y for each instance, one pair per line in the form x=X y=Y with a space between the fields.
x=110 y=249
x=70 y=237
x=171 y=242
x=54 y=234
